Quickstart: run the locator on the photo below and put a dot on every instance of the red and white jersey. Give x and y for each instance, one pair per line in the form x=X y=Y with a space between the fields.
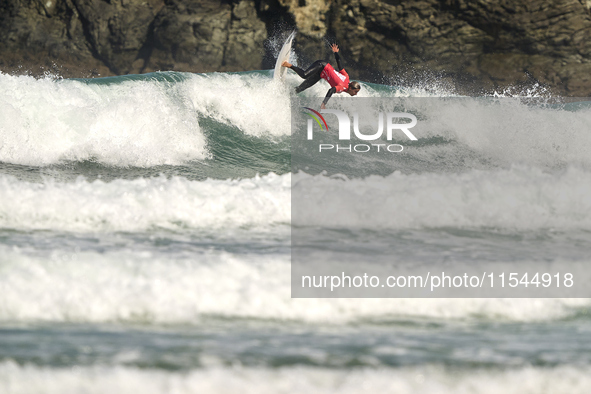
x=336 y=79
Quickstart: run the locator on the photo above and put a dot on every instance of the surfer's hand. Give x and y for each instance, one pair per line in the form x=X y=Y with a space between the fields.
x=322 y=106
x=335 y=48
x=286 y=64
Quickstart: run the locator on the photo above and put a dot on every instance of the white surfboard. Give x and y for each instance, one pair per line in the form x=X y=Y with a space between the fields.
x=284 y=54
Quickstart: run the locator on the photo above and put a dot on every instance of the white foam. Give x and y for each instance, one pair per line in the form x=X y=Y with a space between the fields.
x=516 y=199
x=15 y=379
x=138 y=123
x=501 y=131
x=144 y=204
x=519 y=198
x=254 y=103
x=148 y=287
x=511 y=130
x=147 y=122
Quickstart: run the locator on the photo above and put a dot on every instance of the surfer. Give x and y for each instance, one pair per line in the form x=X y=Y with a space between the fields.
x=338 y=80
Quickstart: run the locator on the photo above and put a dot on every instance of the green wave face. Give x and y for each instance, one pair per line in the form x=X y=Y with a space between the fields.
x=237 y=125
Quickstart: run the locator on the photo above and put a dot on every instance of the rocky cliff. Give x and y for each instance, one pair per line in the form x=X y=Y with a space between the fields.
x=473 y=45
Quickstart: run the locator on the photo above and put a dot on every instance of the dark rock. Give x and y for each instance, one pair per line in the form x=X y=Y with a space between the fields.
x=117 y=29
x=191 y=36
x=478 y=44
x=208 y=36
x=475 y=45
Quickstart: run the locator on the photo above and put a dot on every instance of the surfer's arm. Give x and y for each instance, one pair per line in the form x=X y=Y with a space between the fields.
x=335 y=49
x=338 y=59
x=327 y=97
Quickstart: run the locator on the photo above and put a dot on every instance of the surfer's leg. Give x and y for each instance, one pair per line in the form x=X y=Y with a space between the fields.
x=299 y=71
x=308 y=83
x=315 y=68
x=311 y=75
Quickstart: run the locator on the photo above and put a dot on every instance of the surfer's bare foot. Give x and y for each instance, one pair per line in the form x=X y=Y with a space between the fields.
x=286 y=64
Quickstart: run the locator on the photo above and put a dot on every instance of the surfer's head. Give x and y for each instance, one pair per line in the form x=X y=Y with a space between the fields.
x=353 y=88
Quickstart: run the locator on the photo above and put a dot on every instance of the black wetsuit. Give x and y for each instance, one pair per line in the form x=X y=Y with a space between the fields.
x=312 y=75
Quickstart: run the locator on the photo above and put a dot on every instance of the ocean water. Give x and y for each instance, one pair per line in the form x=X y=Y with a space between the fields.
x=145 y=243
